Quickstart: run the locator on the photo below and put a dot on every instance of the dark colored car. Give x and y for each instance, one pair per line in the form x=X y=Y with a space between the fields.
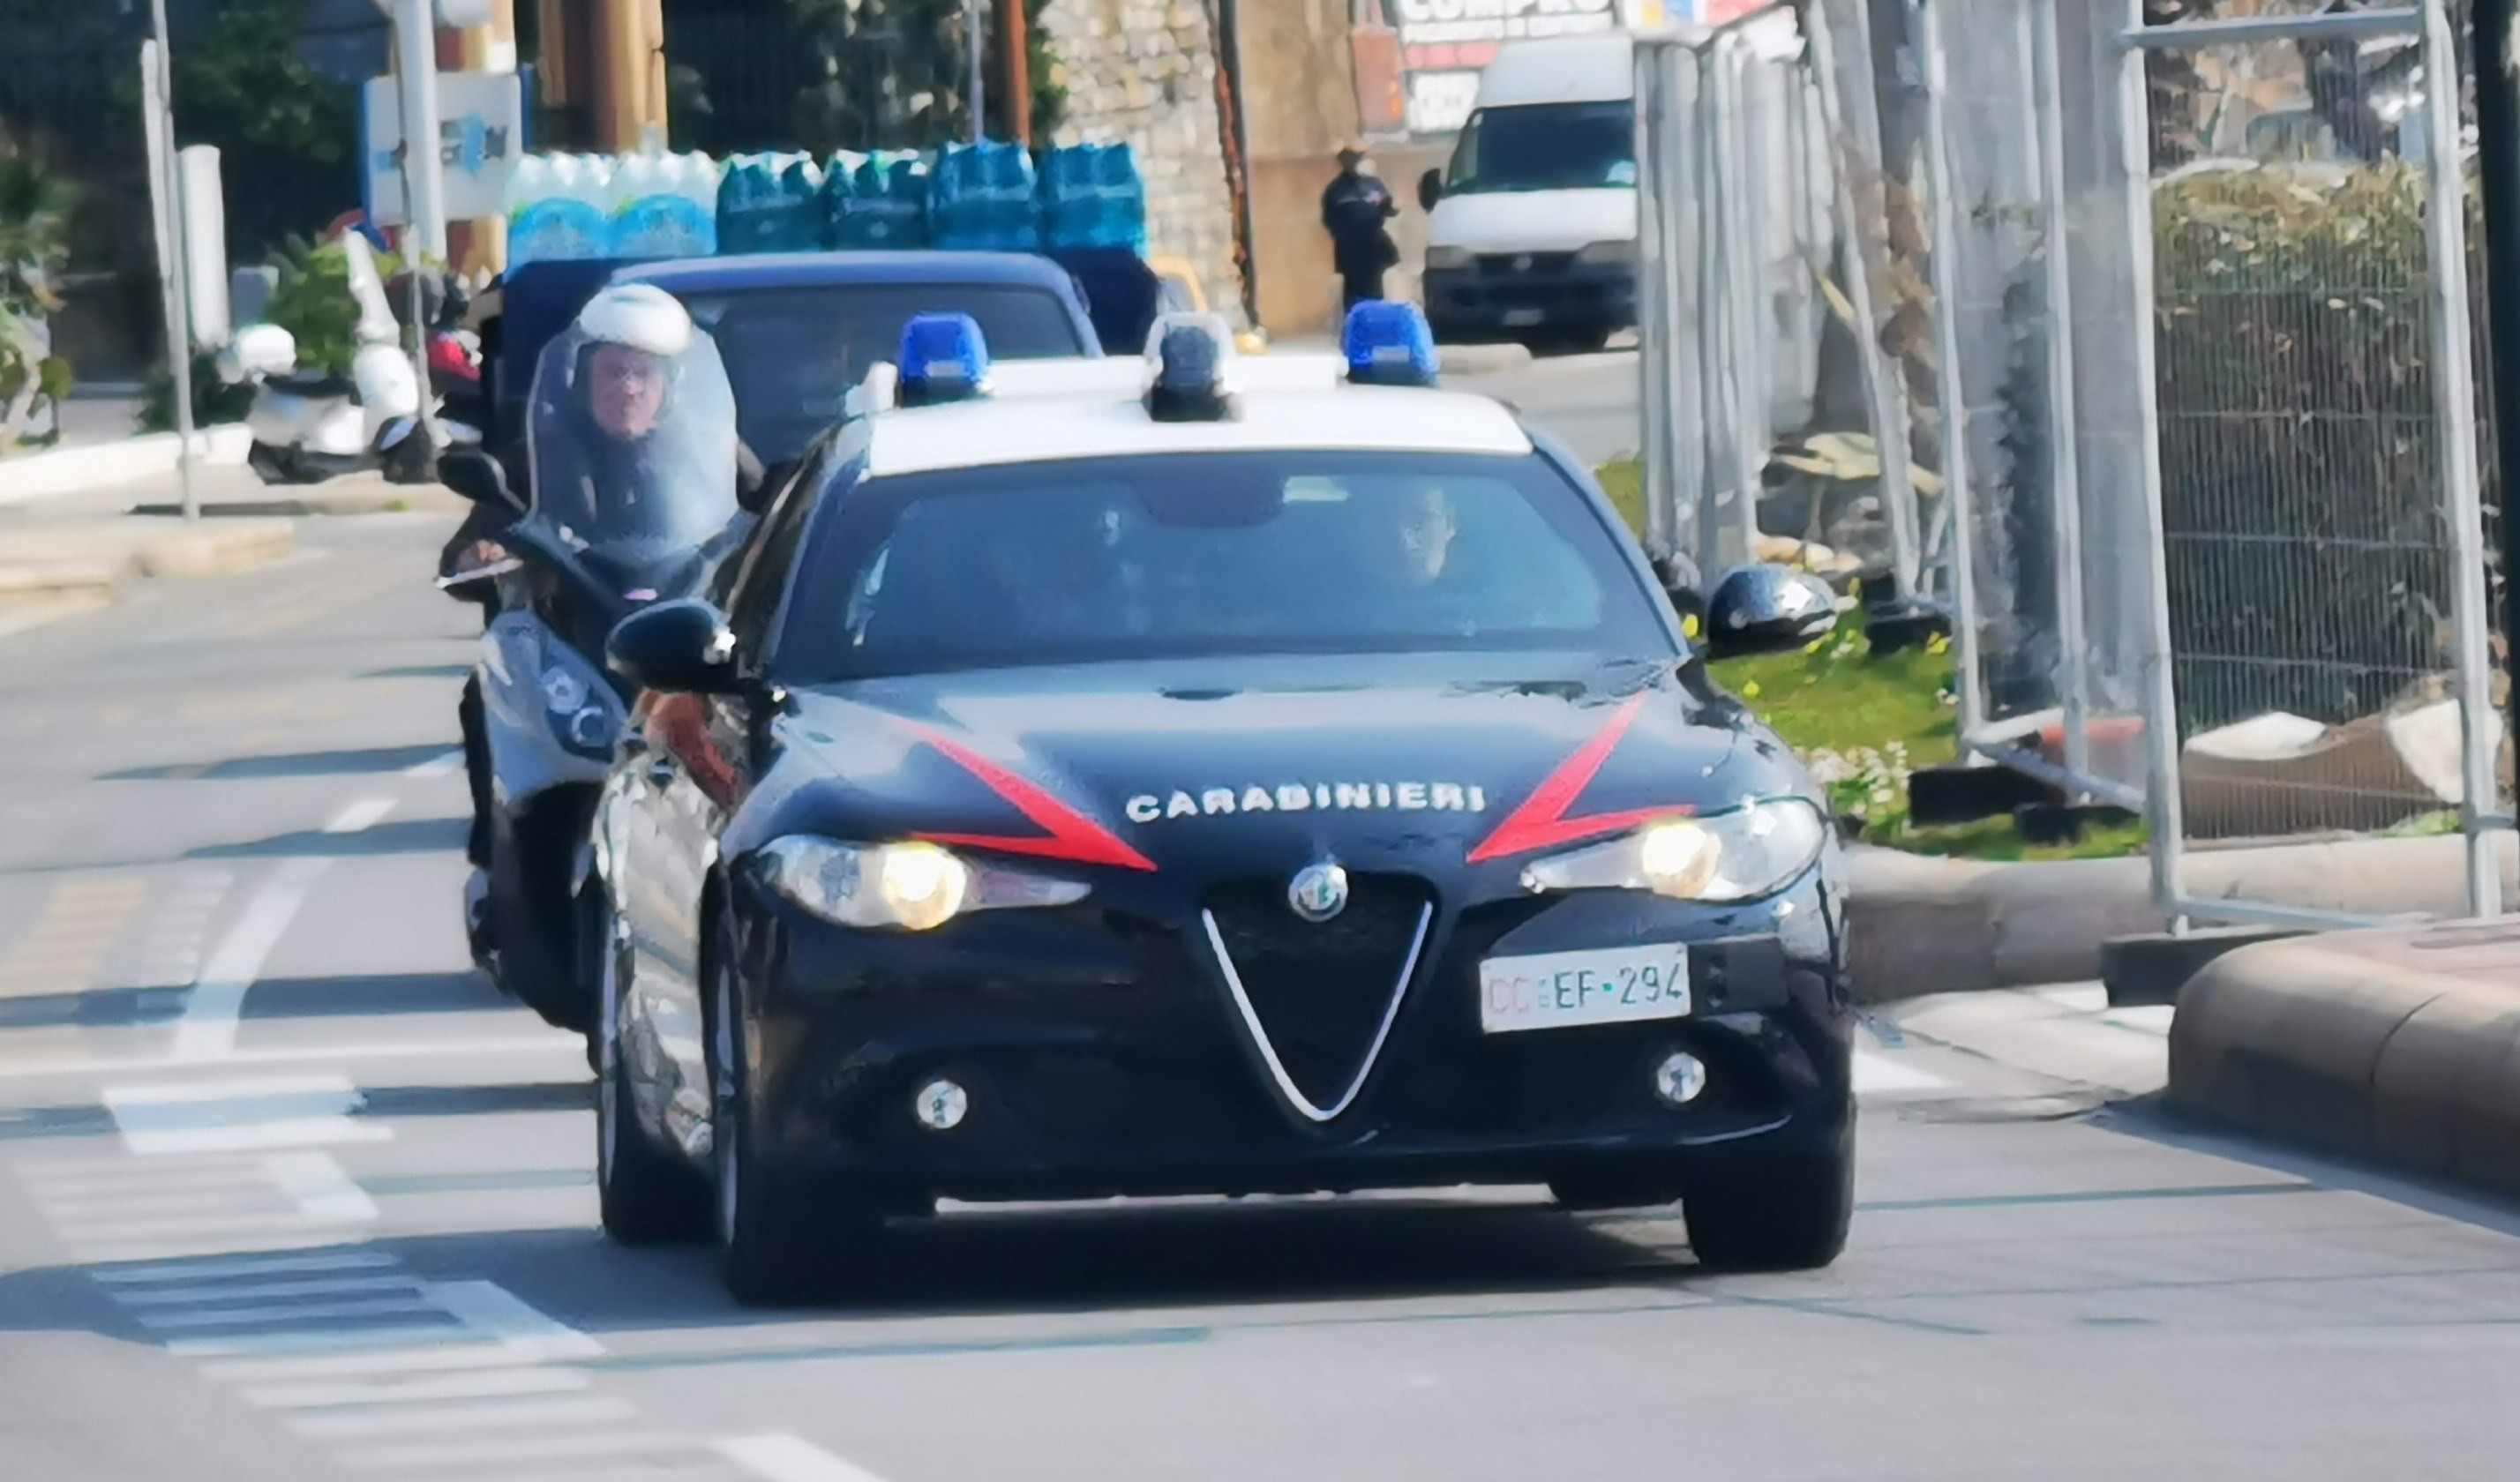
x=797 y=330
x=1069 y=804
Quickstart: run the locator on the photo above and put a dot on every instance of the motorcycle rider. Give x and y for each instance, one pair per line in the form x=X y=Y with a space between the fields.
x=633 y=454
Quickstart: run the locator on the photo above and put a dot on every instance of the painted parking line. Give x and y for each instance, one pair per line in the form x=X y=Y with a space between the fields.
x=791 y=1458
x=358 y=814
x=207 y=1030
x=1877 y=1073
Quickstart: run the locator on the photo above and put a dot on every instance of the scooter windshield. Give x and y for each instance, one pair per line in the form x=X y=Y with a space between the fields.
x=631 y=451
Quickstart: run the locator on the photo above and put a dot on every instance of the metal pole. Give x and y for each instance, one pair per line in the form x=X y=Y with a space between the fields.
x=1886 y=392
x=1951 y=388
x=166 y=191
x=2064 y=455
x=974 y=13
x=424 y=175
x=2497 y=128
x=1655 y=347
x=2455 y=411
x=2164 y=815
x=1738 y=195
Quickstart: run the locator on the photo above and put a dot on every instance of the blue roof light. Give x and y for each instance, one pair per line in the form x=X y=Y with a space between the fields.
x=1388 y=344
x=944 y=358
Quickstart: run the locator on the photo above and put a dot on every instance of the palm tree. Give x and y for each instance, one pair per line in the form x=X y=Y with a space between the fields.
x=34 y=224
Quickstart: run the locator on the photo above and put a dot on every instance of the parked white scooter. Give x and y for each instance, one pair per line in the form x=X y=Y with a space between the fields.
x=308 y=427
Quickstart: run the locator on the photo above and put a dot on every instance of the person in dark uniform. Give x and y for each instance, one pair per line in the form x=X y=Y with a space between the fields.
x=1354 y=210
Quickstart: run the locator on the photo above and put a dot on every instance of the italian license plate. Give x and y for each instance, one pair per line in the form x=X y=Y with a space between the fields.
x=1522 y=319
x=1559 y=990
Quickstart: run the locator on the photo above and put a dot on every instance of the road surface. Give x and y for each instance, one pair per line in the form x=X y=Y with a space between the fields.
x=285 y=1194
x=1587 y=402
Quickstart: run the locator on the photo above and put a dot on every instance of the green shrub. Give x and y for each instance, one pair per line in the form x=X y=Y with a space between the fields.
x=2309 y=562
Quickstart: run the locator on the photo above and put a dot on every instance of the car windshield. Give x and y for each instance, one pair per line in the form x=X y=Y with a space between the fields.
x=1203 y=555
x=793 y=355
x=1546 y=147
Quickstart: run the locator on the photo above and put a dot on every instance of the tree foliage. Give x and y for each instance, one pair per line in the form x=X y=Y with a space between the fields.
x=242 y=81
x=35 y=208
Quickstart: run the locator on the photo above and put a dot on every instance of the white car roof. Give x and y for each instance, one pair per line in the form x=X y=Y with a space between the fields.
x=1286 y=403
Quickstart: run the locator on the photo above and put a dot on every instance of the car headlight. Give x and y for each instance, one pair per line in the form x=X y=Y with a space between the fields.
x=1742 y=855
x=1442 y=258
x=912 y=885
x=1609 y=254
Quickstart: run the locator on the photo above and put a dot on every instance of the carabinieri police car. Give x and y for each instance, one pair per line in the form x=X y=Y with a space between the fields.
x=1209 y=774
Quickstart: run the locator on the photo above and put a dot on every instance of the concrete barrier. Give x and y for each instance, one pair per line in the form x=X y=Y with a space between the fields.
x=2403 y=1046
x=106 y=464
x=1918 y=925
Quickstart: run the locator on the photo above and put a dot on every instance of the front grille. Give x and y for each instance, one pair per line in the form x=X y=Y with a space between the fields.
x=1320 y=991
x=1510 y=265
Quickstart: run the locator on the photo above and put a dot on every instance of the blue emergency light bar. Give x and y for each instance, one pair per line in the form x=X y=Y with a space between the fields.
x=944 y=357
x=1388 y=344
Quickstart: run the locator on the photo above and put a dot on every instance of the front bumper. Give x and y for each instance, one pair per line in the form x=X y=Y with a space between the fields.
x=1531 y=293
x=1103 y=1056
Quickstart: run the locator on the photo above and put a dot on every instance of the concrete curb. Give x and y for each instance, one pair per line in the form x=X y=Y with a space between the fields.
x=1481 y=359
x=2343 y=1043
x=1918 y=926
x=55 y=581
x=215 y=550
x=74 y=470
x=391 y=499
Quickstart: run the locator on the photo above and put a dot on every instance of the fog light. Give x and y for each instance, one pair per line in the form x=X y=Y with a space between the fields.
x=1680 y=1078
x=941 y=1105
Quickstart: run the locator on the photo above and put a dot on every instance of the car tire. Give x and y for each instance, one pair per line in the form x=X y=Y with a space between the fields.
x=780 y=1241
x=1791 y=1214
x=646 y=1196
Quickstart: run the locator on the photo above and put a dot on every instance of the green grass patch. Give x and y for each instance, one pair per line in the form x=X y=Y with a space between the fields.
x=1624 y=480
x=1864 y=721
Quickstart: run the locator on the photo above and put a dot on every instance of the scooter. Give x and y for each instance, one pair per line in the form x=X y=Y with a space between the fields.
x=542 y=717
x=309 y=425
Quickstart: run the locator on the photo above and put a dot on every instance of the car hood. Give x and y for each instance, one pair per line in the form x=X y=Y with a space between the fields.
x=1255 y=767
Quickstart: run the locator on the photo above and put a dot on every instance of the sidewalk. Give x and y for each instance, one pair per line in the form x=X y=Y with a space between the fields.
x=78 y=547
x=2399 y=1045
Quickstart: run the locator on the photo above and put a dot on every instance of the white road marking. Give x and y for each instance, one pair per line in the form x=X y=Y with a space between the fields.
x=482 y=1384
x=235 y=1116
x=791 y=1458
x=359 y=814
x=292 y=1312
x=313 y=1286
x=215 y=1269
x=278 y=1223
x=444 y=764
x=138 y=1204
x=517 y=1449
x=439 y=1358
x=209 y=1029
x=395 y=1335
x=555 y=1042
x=1881 y=1072
x=322 y=1190
x=464 y=1419
x=486 y=1306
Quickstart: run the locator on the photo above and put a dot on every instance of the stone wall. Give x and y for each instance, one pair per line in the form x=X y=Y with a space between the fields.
x=1144 y=71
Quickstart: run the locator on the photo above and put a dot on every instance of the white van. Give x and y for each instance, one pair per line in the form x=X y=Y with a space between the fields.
x=1532 y=228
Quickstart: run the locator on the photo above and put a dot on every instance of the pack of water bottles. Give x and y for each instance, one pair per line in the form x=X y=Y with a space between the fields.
x=770 y=203
x=980 y=199
x=984 y=197
x=876 y=201
x=1091 y=196
x=596 y=206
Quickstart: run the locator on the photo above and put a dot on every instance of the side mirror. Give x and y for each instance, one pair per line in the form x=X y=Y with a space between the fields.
x=478 y=477
x=1430 y=189
x=682 y=647
x=1767 y=609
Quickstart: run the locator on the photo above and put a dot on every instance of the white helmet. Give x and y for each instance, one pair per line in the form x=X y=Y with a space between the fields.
x=639 y=315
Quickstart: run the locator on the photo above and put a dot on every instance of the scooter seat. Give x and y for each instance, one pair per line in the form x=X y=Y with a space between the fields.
x=312 y=384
